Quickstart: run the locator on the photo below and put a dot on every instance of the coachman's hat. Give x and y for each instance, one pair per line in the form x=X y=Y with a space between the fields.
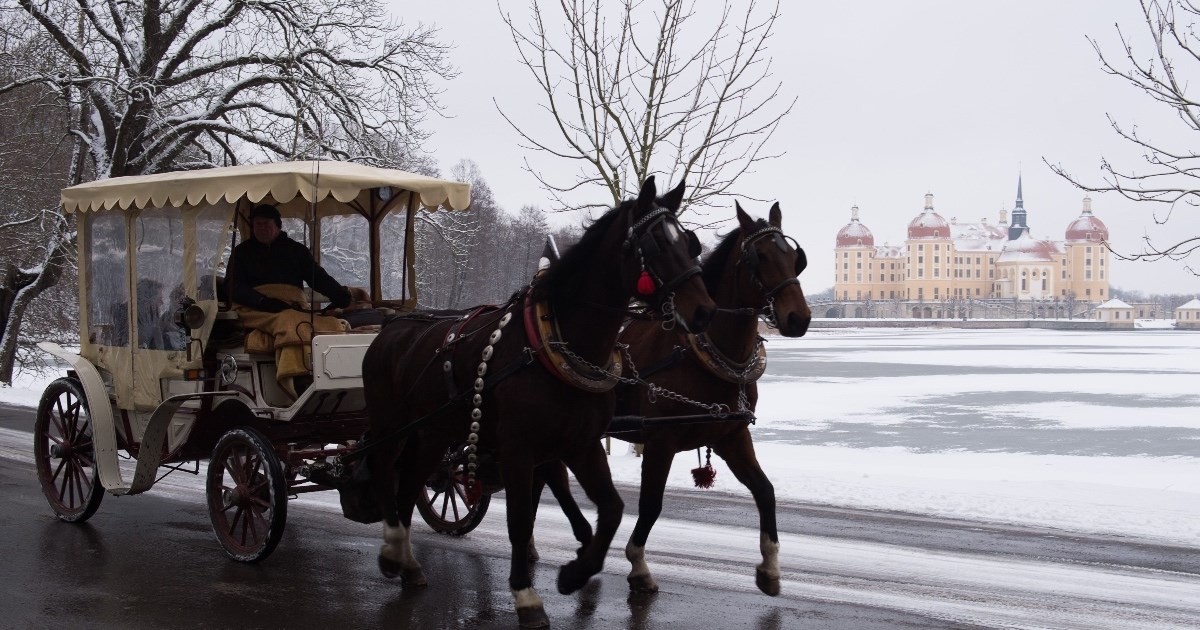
x=266 y=212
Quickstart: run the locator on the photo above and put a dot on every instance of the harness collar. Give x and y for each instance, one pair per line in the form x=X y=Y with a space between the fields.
x=542 y=330
x=724 y=368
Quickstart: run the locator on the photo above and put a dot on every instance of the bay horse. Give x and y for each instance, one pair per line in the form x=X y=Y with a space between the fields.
x=753 y=271
x=536 y=390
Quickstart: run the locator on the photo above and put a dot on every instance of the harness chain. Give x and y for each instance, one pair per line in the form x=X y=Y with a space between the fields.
x=653 y=391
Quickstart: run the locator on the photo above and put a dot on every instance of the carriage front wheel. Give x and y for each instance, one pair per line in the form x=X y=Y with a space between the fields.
x=247 y=495
x=443 y=501
x=64 y=452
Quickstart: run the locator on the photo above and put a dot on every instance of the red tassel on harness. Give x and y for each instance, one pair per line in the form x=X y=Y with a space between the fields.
x=704 y=476
x=645 y=284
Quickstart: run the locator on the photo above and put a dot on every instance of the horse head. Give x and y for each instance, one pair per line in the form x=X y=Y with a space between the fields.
x=660 y=265
x=771 y=261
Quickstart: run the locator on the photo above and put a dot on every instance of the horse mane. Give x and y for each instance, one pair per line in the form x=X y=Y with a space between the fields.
x=714 y=263
x=560 y=279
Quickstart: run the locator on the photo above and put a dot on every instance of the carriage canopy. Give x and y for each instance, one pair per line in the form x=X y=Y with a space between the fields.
x=292 y=185
x=146 y=242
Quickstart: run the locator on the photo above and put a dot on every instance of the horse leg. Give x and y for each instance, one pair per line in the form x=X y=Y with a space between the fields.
x=591 y=470
x=554 y=475
x=396 y=499
x=539 y=482
x=656 y=465
x=738 y=453
x=518 y=489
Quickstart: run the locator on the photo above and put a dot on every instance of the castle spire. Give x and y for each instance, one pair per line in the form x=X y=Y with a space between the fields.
x=1018 y=224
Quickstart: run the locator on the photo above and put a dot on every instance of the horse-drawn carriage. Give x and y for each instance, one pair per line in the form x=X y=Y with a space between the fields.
x=166 y=373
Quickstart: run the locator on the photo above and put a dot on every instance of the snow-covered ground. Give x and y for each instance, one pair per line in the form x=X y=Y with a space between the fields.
x=1082 y=431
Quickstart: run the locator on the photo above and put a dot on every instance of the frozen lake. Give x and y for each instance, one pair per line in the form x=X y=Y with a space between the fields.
x=1084 y=431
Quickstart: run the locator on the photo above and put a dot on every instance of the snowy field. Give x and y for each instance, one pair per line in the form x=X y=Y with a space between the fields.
x=1082 y=431
x=1079 y=431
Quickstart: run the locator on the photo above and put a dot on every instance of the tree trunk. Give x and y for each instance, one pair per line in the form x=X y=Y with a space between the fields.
x=20 y=288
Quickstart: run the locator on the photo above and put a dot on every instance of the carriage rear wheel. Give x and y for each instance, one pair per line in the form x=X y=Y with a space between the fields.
x=247 y=495
x=443 y=501
x=65 y=453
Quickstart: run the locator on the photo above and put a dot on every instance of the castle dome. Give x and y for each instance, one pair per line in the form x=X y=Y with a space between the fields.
x=855 y=234
x=928 y=224
x=1087 y=227
x=1027 y=249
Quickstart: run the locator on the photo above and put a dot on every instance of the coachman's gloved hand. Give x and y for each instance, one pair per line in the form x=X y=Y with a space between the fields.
x=341 y=300
x=272 y=305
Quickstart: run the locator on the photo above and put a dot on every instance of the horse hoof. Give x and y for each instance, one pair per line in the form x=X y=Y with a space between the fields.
x=766 y=583
x=389 y=568
x=533 y=617
x=642 y=584
x=413 y=577
x=572 y=577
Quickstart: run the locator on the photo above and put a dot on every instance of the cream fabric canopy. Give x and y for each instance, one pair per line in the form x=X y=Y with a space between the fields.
x=313 y=181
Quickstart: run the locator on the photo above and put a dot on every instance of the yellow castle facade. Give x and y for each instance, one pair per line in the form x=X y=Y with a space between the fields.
x=951 y=261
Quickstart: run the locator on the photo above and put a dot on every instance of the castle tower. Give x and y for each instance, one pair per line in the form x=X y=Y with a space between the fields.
x=1018 y=216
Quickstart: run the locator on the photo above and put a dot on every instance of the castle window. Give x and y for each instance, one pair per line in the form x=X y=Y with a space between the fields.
x=920 y=273
x=937 y=259
x=920 y=248
x=1087 y=275
x=920 y=260
x=1024 y=285
x=976 y=273
x=935 y=272
x=1043 y=283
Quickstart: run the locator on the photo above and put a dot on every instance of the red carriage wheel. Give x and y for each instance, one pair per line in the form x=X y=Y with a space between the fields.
x=64 y=452
x=247 y=495
x=443 y=501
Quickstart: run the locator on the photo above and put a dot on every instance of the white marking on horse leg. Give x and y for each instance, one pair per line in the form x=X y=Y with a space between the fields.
x=527 y=598
x=639 y=577
x=397 y=547
x=637 y=557
x=770 y=554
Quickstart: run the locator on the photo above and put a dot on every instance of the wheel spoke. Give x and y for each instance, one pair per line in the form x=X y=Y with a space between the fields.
x=78 y=482
x=57 y=419
x=57 y=470
x=445 y=503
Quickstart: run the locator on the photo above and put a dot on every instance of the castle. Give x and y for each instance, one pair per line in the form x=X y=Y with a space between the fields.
x=947 y=268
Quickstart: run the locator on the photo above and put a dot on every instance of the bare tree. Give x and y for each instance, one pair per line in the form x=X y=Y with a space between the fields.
x=1170 y=172
x=632 y=92
x=155 y=85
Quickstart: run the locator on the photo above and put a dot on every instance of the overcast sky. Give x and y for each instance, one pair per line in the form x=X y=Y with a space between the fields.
x=896 y=99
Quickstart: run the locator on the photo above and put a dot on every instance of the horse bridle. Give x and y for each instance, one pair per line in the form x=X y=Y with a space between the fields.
x=750 y=259
x=640 y=237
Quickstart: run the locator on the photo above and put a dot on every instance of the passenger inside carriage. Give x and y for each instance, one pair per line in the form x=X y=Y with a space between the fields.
x=265 y=282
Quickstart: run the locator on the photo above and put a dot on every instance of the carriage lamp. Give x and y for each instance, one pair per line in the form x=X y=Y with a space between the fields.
x=189 y=315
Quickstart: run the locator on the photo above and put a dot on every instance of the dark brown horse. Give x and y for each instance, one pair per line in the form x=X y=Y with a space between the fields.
x=752 y=272
x=527 y=383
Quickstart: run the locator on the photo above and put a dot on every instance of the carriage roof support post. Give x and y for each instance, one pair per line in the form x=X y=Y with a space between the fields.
x=379 y=212
x=410 y=252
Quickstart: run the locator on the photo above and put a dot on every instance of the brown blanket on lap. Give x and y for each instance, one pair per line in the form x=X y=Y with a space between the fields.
x=288 y=333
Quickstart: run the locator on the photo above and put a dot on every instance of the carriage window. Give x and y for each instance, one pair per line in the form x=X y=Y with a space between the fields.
x=391 y=263
x=158 y=236
x=108 y=280
x=212 y=249
x=345 y=249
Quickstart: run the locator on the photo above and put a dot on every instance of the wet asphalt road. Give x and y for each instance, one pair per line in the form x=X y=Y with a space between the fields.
x=151 y=561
